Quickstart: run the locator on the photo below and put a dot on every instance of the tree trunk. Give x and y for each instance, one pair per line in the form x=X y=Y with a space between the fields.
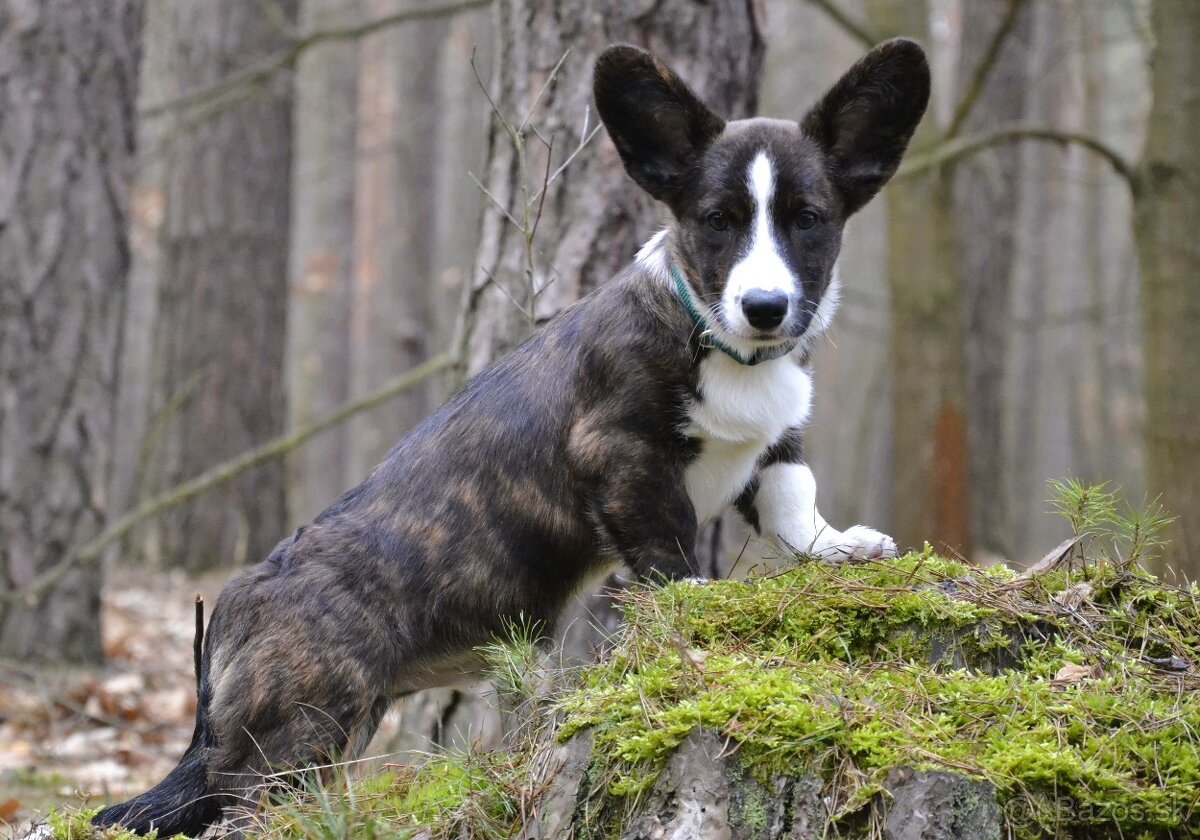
x=220 y=335
x=322 y=257
x=592 y=218
x=393 y=226
x=1040 y=388
x=985 y=195
x=1166 y=217
x=68 y=82
x=929 y=421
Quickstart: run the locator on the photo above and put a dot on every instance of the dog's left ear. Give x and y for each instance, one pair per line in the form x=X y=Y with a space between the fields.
x=865 y=120
x=658 y=125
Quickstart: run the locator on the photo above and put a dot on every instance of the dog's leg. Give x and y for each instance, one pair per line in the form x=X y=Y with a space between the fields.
x=637 y=500
x=651 y=524
x=781 y=503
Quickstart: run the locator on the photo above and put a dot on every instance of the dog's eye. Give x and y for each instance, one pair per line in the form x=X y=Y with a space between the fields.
x=717 y=220
x=807 y=219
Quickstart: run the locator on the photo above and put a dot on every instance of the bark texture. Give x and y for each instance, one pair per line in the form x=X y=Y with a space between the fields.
x=321 y=269
x=390 y=302
x=220 y=333
x=592 y=218
x=68 y=82
x=929 y=421
x=986 y=196
x=1166 y=212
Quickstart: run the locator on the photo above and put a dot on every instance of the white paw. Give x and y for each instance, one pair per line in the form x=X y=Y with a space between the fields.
x=856 y=543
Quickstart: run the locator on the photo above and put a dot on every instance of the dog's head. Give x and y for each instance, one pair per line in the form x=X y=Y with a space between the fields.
x=760 y=204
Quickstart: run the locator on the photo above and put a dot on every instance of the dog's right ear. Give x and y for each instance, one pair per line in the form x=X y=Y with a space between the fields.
x=658 y=125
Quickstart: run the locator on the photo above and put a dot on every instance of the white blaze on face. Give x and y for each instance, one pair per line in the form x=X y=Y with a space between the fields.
x=763 y=267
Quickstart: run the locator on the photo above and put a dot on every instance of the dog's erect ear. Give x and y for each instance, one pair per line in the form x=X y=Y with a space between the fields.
x=865 y=120
x=658 y=125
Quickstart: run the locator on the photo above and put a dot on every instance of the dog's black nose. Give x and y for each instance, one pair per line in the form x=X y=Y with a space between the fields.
x=765 y=310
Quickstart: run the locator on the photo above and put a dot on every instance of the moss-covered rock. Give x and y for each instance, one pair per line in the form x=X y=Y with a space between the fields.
x=1071 y=694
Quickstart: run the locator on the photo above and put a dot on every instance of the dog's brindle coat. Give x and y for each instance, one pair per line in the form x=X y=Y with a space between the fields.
x=607 y=437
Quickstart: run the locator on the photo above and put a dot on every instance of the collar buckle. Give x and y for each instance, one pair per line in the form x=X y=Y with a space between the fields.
x=708 y=337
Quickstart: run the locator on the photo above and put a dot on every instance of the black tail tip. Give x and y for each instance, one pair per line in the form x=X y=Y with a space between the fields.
x=142 y=817
x=131 y=816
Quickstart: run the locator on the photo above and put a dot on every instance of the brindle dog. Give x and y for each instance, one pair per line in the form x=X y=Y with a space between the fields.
x=646 y=408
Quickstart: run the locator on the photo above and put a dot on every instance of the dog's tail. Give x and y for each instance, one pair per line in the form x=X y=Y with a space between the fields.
x=180 y=804
x=183 y=802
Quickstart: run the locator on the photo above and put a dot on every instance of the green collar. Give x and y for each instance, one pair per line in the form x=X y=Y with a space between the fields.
x=708 y=336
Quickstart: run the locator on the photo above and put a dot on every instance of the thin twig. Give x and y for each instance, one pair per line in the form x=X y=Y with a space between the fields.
x=537 y=100
x=587 y=139
x=540 y=198
x=508 y=129
x=955 y=150
x=260 y=73
x=495 y=201
x=491 y=279
x=983 y=69
x=222 y=473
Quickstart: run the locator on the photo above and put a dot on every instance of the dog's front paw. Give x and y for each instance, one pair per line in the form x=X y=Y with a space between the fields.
x=858 y=543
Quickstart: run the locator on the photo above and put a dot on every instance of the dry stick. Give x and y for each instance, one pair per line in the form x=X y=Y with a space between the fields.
x=259 y=74
x=984 y=69
x=221 y=474
x=198 y=641
x=951 y=151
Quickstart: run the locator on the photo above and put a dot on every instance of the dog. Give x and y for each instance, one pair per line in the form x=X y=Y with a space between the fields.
x=634 y=416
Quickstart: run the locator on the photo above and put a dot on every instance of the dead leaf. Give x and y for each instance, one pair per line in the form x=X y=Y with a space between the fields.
x=9 y=808
x=1072 y=674
x=1052 y=558
x=1071 y=598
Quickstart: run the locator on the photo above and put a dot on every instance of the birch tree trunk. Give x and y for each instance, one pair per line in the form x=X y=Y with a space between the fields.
x=219 y=339
x=1166 y=217
x=68 y=82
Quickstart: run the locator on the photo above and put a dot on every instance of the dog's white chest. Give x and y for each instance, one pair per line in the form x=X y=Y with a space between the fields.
x=741 y=412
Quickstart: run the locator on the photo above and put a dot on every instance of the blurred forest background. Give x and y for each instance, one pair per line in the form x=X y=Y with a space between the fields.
x=246 y=244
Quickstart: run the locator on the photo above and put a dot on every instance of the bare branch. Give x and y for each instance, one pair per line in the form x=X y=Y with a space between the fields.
x=222 y=473
x=259 y=74
x=951 y=151
x=537 y=100
x=583 y=142
x=857 y=31
x=983 y=69
x=495 y=201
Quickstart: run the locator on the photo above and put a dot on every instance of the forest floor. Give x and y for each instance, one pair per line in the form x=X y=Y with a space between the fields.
x=70 y=736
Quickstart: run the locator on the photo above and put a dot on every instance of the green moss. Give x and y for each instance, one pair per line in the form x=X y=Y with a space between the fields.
x=77 y=825
x=462 y=794
x=922 y=662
